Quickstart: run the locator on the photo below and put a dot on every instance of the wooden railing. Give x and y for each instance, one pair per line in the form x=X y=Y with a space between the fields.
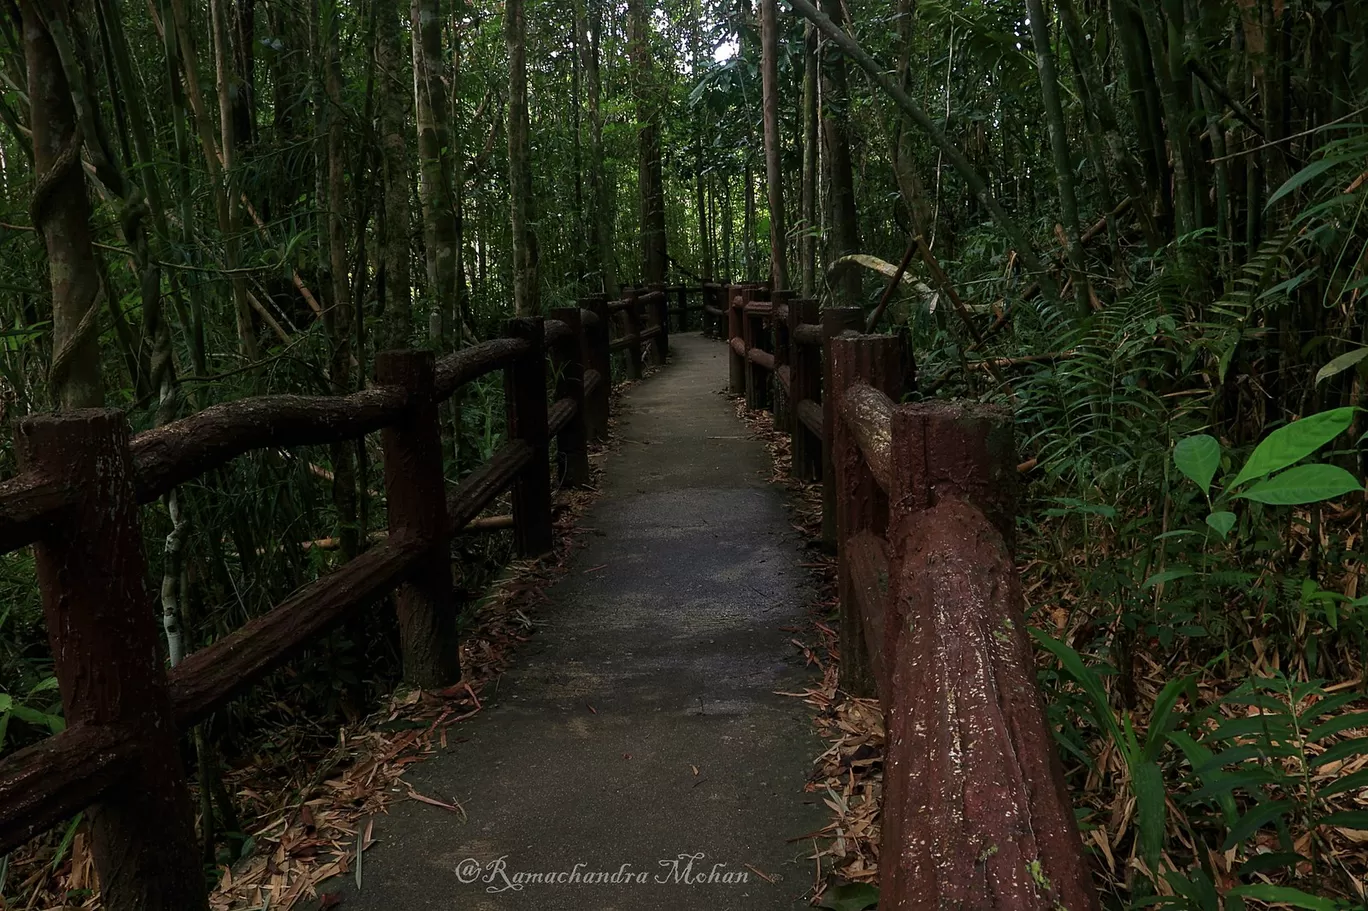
x=77 y=497
x=922 y=513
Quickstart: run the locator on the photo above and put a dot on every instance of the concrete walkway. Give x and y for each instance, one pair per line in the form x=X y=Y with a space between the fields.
x=685 y=781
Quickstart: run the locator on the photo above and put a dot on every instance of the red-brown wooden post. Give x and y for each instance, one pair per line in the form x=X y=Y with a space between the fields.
x=108 y=660
x=805 y=366
x=571 y=442
x=976 y=812
x=599 y=358
x=415 y=496
x=683 y=309
x=758 y=379
x=525 y=394
x=661 y=317
x=861 y=504
x=835 y=320
x=779 y=344
x=714 y=296
x=736 y=360
x=631 y=317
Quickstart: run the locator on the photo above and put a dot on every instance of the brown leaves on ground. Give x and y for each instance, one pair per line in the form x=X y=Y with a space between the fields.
x=848 y=776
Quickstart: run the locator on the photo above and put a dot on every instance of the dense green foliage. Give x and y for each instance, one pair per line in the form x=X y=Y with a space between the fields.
x=1188 y=372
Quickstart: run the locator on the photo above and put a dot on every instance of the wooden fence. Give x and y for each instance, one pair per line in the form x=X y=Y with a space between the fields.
x=921 y=508
x=77 y=497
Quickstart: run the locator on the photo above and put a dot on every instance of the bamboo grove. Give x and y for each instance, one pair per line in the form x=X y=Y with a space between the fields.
x=1137 y=222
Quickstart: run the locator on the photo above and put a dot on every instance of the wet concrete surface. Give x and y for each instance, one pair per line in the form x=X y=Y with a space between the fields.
x=682 y=786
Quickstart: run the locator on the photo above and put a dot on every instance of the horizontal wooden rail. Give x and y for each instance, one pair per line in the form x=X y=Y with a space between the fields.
x=483 y=485
x=869 y=413
x=810 y=414
x=761 y=358
x=183 y=450
x=53 y=780
x=30 y=505
x=209 y=678
x=461 y=367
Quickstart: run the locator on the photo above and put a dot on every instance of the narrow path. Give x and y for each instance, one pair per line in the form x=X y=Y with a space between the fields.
x=670 y=624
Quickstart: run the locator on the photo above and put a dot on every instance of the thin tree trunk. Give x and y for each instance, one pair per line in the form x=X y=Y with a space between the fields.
x=525 y=288
x=339 y=315
x=396 y=284
x=61 y=212
x=811 y=153
x=232 y=241
x=604 y=260
x=651 y=171
x=774 y=174
x=1059 y=146
x=434 y=169
x=843 y=227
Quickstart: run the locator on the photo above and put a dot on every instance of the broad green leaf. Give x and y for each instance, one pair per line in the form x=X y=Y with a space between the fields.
x=1285 y=895
x=1221 y=522
x=1354 y=782
x=1303 y=484
x=1255 y=820
x=1198 y=458
x=5 y=702
x=1292 y=443
x=851 y=897
x=1148 y=783
x=1341 y=364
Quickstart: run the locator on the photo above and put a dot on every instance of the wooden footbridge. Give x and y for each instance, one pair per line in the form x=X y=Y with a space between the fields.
x=682 y=659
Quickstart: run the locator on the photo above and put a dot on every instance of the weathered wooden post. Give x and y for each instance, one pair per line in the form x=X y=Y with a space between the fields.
x=834 y=321
x=782 y=302
x=736 y=359
x=976 y=812
x=683 y=308
x=525 y=394
x=571 y=442
x=805 y=372
x=599 y=358
x=415 y=495
x=631 y=317
x=752 y=325
x=108 y=659
x=861 y=503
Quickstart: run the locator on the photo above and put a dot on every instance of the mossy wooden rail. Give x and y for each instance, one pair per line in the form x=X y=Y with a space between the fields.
x=76 y=500
x=921 y=510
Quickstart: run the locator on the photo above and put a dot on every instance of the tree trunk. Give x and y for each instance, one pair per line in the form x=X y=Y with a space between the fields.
x=525 y=297
x=1059 y=146
x=339 y=315
x=61 y=213
x=843 y=228
x=395 y=285
x=651 y=170
x=774 y=174
x=807 y=243
x=434 y=170
x=232 y=243
x=604 y=261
